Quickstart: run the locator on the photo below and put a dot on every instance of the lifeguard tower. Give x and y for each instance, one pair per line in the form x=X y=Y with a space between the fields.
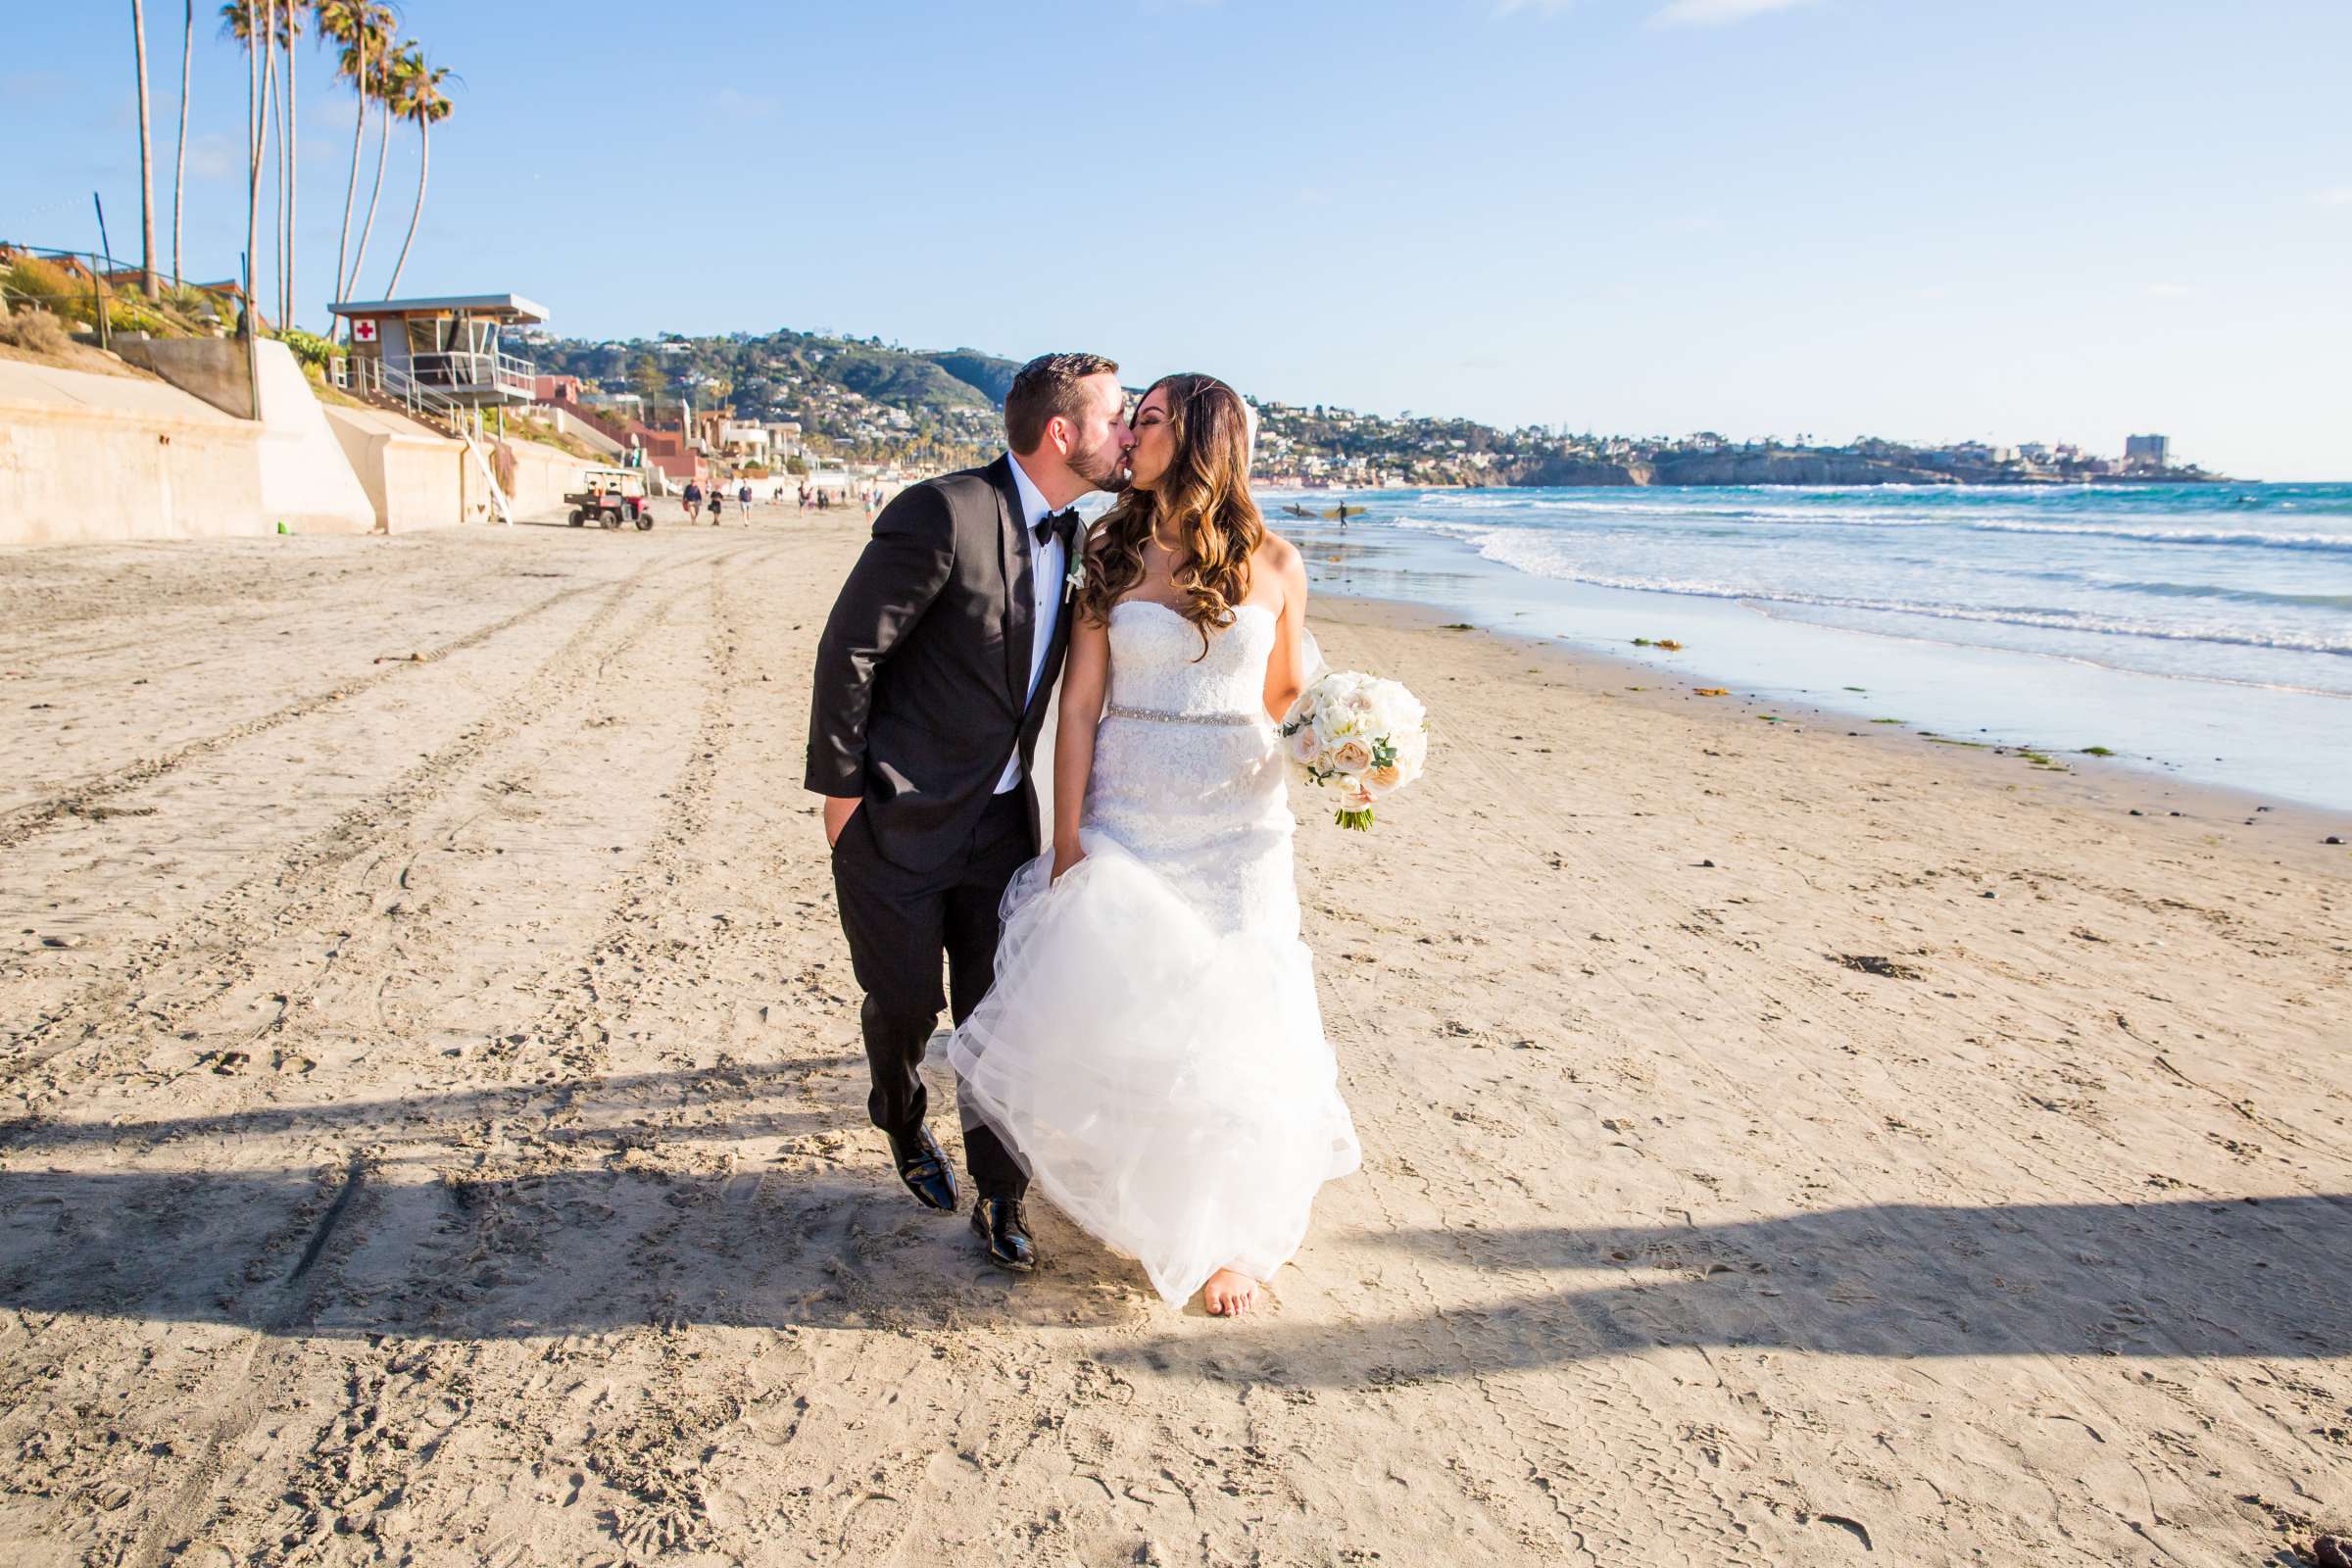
x=439 y=361
x=439 y=358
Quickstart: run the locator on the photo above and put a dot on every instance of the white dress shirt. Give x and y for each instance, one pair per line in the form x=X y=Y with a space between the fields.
x=1046 y=569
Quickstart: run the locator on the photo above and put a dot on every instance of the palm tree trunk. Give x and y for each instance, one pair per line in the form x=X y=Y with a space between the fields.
x=424 y=166
x=261 y=61
x=351 y=188
x=139 y=36
x=274 y=132
x=383 y=148
x=293 y=167
x=180 y=172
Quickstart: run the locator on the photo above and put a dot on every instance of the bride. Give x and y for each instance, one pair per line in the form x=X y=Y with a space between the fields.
x=1151 y=1051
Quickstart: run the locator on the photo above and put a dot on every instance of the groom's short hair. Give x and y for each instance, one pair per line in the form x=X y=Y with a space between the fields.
x=1046 y=386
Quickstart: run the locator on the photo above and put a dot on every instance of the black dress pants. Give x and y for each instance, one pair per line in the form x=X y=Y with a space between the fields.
x=899 y=924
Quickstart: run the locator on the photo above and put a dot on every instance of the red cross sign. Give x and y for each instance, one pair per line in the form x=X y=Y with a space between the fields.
x=363 y=331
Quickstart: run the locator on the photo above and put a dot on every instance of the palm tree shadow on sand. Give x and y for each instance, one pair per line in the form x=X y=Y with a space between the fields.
x=489 y=1254
x=2236 y=1278
x=504 y=1213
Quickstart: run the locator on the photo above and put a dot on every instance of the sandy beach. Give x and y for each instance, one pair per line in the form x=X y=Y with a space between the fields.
x=431 y=1121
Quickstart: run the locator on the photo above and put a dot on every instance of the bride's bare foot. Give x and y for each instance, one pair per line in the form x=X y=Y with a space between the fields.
x=1229 y=1292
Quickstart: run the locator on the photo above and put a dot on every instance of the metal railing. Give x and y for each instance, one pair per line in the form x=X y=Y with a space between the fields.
x=462 y=370
x=376 y=378
x=100 y=292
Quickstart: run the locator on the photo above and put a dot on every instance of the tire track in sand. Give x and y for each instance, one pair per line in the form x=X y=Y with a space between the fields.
x=306 y=870
x=29 y=821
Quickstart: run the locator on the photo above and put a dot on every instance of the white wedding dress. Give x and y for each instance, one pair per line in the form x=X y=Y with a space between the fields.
x=1153 y=1050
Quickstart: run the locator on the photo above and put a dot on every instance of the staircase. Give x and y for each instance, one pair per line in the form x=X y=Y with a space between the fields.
x=393 y=389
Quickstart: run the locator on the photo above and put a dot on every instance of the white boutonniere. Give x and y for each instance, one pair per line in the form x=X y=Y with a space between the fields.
x=1074 y=580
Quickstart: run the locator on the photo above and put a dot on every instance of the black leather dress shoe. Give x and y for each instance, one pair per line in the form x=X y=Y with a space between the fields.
x=923 y=1167
x=1000 y=1222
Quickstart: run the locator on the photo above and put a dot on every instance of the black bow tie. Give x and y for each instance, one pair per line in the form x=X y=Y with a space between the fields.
x=1063 y=522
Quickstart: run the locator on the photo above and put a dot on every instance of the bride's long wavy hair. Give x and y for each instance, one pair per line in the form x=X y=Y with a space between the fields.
x=1200 y=507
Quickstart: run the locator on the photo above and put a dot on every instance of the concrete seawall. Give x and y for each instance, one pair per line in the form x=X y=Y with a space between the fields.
x=414 y=477
x=541 y=476
x=86 y=456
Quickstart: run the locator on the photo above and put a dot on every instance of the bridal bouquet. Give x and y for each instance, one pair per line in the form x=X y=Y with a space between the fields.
x=1366 y=736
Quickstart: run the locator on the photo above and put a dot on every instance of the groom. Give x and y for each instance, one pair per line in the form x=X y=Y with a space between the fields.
x=932 y=680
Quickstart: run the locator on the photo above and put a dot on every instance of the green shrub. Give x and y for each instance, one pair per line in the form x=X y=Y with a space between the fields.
x=309 y=347
x=195 y=305
x=50 y=286
x=130 y=312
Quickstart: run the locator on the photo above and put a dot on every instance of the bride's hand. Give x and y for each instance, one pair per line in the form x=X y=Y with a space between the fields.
x=1065 y=855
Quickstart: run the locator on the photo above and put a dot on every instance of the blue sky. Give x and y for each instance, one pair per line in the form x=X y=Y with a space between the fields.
x=1924 y=219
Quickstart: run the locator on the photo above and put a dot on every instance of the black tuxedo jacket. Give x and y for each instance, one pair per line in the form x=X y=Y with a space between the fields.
x=922 y=676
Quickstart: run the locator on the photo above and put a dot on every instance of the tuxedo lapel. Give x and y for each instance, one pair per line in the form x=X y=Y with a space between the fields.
x=1020 y=602
x=1057 y=647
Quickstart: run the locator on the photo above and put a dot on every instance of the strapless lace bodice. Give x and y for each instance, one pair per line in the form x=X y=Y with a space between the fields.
x=1158 y=667
x=1187 y=769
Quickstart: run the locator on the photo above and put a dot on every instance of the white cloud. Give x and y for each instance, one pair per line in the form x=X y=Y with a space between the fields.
x=1718 y=13
x=2334 y=196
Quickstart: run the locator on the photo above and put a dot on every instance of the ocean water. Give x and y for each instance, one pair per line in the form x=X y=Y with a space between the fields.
x=2204 y=630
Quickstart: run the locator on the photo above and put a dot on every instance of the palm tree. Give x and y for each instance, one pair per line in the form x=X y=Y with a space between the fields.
x=384 y=86
x=273 y=128
x=421 y=102
x=238 y=19
x=138 y=44
x=364 y=28
x=289 y=23
x=180 y=175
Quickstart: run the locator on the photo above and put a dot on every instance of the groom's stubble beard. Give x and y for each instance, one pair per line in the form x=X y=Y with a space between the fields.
x=1104 y=467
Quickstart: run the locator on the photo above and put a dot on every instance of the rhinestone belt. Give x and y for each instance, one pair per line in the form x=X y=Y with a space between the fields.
x=1152 y=716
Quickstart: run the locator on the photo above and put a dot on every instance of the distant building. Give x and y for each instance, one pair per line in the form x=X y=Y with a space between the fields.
x=2147 y=452
x=743 y=437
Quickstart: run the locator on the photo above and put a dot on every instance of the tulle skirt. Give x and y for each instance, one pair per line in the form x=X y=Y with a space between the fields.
x=1165 y=1083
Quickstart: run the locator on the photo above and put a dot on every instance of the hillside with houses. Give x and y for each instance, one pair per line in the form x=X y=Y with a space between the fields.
x=814 y=398
x=825 y=397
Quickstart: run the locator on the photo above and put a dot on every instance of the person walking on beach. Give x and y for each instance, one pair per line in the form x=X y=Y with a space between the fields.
x=743 y=499
x=693 y=500
x=931 y=684
x=718 y=502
